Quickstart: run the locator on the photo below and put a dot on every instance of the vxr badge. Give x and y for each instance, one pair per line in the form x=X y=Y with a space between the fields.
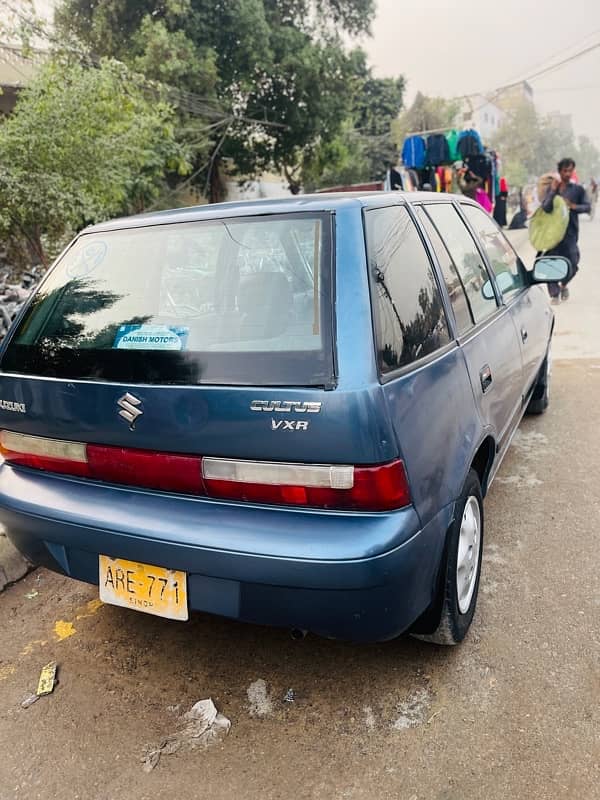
x=129 y=409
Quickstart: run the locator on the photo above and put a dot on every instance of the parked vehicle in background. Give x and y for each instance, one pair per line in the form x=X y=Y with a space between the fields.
x=283 y=412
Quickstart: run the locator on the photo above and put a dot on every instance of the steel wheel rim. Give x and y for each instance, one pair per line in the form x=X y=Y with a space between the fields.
x=469 y=548
x=548 y=370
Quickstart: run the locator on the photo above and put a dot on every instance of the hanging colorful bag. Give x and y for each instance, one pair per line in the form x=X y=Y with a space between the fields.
x=547 y=230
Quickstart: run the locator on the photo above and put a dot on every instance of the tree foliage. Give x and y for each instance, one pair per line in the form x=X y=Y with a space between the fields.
x=363 y=149
x=278 y=71
x=378 y=106
x=425 y=114
x=532 y=144
x=82 y=145
x=587 y=158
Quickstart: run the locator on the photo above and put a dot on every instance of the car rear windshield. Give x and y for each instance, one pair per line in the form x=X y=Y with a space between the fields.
x=236 y=301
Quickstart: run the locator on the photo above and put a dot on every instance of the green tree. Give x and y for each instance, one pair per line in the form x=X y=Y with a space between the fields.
x=519 y=141
x=270 y=78
x=425 y=114
x=378 y=106
x=364 y=147
x=532 y=144
x=588 y=159
x=83 y=144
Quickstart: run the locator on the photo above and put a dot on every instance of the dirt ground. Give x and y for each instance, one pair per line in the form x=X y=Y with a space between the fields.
x=512 y=713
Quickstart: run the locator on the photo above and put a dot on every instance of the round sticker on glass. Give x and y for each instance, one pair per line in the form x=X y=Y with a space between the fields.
x=90 y=258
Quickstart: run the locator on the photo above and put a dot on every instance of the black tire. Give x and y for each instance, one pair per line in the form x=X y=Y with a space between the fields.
x=444 y=622
x=540 y=398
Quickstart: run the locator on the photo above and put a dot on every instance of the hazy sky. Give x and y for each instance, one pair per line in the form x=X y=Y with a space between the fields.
x=454 y=47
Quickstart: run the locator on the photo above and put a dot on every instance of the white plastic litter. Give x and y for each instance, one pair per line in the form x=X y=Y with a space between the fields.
x=30 y=699
x=201 y=726
x=259 y=700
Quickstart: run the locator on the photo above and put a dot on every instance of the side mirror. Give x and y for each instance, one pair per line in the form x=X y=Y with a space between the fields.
x=504 y=281
x=487 y=290
x=550 y=269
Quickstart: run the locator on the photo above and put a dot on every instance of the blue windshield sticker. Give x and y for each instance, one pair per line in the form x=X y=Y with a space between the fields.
x=151 y=337
x=89 y=259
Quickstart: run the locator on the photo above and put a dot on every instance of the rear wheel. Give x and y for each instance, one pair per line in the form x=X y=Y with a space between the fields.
x=450 y=617
x=541 y=393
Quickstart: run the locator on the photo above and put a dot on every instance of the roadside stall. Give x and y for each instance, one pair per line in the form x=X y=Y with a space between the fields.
x=437 y=159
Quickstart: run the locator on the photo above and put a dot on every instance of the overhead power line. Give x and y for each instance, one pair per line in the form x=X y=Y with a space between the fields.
x=594 y=87
x=546 y=70
x=492 y=96
x=563 y=63
x=558 y=54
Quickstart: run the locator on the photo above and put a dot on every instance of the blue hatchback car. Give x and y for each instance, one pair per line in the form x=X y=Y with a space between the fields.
x=284 y=412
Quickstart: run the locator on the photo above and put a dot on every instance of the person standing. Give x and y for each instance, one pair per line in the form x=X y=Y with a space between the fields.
x=471 y=185
x=519 y=220
x=468 y=182
x=578 y=203
x=500 y=204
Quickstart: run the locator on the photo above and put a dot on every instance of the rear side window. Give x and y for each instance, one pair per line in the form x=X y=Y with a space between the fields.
x=466 y=257
x=409 y=317
x=508 y=267
x=245 y=300
x=456 y=290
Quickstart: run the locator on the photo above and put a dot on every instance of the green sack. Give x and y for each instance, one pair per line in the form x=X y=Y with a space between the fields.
x=546 y=230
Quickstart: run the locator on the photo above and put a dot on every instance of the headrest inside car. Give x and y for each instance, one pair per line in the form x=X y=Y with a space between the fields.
x=265 y=301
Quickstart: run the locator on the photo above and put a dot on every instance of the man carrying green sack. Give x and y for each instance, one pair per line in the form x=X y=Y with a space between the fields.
x=554 y=228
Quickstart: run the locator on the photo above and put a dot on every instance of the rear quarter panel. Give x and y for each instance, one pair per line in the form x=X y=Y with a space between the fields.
x=438 y=429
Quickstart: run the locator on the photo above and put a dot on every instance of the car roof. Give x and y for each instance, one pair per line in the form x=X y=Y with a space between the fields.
x=325 y=201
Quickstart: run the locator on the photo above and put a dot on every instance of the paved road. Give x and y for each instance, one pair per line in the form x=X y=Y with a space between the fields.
x=577 y=332
x=512 y=714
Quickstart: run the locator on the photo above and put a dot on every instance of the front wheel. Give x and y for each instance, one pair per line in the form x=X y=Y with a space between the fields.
x=452 y=613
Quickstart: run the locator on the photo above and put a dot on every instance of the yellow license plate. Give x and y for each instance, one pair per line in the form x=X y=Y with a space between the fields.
x=154 y=590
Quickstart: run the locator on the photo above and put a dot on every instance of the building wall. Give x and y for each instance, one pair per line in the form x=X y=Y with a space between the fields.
x=485 y=116
x=511 y=98
x=15 y=72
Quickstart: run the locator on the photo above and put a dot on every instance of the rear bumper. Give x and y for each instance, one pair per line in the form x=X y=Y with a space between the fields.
x=346 y=575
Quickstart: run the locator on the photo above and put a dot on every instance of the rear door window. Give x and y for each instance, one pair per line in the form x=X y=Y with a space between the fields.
x=510 y=272
x=456 y=290
x=410 y=322
x=466 y=257
x=244 y=300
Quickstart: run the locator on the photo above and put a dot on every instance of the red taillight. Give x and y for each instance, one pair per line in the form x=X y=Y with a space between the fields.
x=380 y=488
x=53 y=455
x=165 y=471
x=376 y=488
x=385 y=486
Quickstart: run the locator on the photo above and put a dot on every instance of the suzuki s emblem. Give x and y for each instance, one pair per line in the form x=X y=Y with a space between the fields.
x=129 y=409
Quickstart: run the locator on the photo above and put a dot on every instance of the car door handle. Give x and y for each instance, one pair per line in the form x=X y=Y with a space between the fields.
x=524 y=335
x=485 y=376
